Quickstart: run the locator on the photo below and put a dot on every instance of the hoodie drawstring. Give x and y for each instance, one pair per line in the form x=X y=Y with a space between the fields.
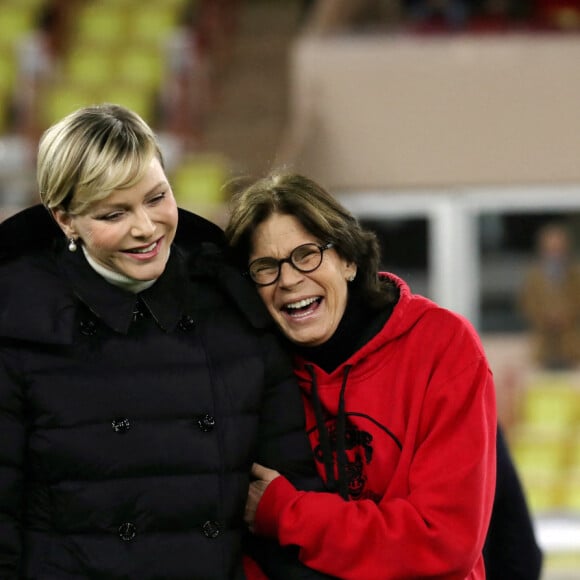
x=341 y=439
x=340 y=485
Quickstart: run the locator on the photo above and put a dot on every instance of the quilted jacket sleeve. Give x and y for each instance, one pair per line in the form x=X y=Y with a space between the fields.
x=283 y=443
x=284 y=446
x=12 y=445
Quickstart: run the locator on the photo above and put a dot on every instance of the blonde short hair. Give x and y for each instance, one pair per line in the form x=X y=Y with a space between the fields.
x=90 y=153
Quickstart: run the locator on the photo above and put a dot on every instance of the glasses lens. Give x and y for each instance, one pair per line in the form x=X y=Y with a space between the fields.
x=306 y=257
x=264 y=270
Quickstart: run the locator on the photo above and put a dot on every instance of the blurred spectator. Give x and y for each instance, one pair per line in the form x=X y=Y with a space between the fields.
x=449 y=14
x=498 y=15
x=468 y=15
x=558 y=14
x=322 y=17
x=550 y=300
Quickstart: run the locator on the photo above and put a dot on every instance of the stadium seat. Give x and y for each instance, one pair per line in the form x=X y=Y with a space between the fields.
x=152 y=23
x=101 y=24
x=197 y=182
x=60 y=100
x=16 y=20
x=88 y=65
x=551 y=402
x=140 y=65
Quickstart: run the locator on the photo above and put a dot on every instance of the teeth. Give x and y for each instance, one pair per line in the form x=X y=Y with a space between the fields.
x=144 y=250
x=301 y=303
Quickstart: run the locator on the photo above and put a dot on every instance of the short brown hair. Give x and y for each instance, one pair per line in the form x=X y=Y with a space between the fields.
x=320 y=213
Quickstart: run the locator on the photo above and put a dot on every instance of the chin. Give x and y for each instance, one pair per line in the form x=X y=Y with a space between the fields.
x=305 y=341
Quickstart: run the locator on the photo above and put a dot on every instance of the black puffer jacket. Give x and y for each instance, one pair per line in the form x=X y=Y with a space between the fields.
x=129 y=422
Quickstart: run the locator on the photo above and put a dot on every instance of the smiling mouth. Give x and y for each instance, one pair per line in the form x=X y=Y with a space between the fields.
x=143 y=250
x=302 y=307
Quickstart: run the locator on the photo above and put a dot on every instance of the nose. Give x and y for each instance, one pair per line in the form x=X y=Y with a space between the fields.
x=289 y=275
x=143 y=225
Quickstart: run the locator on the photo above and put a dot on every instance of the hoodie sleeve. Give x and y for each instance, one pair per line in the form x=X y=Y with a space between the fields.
x=432 y=521
x=12 y=444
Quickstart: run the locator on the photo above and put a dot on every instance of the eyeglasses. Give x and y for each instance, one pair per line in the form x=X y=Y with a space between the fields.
x=305 y=258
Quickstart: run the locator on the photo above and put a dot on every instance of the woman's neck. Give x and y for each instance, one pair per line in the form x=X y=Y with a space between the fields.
x=358 y=325
x=116 y=278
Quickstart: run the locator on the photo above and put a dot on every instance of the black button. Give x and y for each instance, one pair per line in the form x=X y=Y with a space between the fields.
x=121 y=425
x=127 y=531
x=211 y=529
x=139 y=311
x=206 y=423
x=186 y=323
x=88 y=327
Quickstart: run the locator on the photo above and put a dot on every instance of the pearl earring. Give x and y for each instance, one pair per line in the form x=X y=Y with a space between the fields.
x=72 y=245
x=351 y=277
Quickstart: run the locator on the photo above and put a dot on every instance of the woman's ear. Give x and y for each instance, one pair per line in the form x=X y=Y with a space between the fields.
x=351 y=270
x=64 y=221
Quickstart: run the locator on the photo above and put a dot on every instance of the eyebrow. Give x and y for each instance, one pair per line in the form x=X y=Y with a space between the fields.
x=287 y=255
x=151 y=190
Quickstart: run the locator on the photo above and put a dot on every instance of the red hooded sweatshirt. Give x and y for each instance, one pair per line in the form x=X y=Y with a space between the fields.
x=406 y=432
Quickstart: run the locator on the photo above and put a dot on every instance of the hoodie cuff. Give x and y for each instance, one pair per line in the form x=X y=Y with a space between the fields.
x=278 y=495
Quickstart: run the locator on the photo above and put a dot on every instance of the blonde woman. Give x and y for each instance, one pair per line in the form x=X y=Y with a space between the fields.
x=138 y=381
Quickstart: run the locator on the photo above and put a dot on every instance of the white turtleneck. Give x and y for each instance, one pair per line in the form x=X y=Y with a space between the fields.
x=118 y=279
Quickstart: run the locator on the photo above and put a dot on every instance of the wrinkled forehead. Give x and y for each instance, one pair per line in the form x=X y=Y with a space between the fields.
x=278 y=236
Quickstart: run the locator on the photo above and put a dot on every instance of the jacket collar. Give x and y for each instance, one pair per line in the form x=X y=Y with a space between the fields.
x=115 y=306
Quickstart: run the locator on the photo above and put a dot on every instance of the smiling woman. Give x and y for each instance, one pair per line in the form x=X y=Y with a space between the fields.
x=397 y=391
x=127 y=434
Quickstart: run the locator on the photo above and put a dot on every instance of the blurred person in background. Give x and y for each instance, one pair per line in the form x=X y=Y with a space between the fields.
x=399 y=398
x=550 y=300
x=138 y=379
x=561 y=15
x=448 y=14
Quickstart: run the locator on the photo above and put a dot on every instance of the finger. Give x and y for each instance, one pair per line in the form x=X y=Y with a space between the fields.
x=259 y=471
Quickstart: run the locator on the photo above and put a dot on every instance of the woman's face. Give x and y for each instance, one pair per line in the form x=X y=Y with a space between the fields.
x=306 y=306
x=130 y=231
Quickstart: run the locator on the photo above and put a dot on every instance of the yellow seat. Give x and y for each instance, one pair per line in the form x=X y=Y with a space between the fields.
x=573 y=458
x=152 y=23
x=198 y=182
x=28 y=4
x=62 y=99
x=89 y=65
x=543 y=492
x=539 y=450
x=571 y=491
x=8 y=70
x=140 y=65
x=551 y=403
x=16 y=21
x=101 y=24
x=4 y=108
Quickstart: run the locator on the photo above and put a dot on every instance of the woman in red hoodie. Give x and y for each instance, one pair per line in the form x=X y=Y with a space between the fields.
x=399 y=398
